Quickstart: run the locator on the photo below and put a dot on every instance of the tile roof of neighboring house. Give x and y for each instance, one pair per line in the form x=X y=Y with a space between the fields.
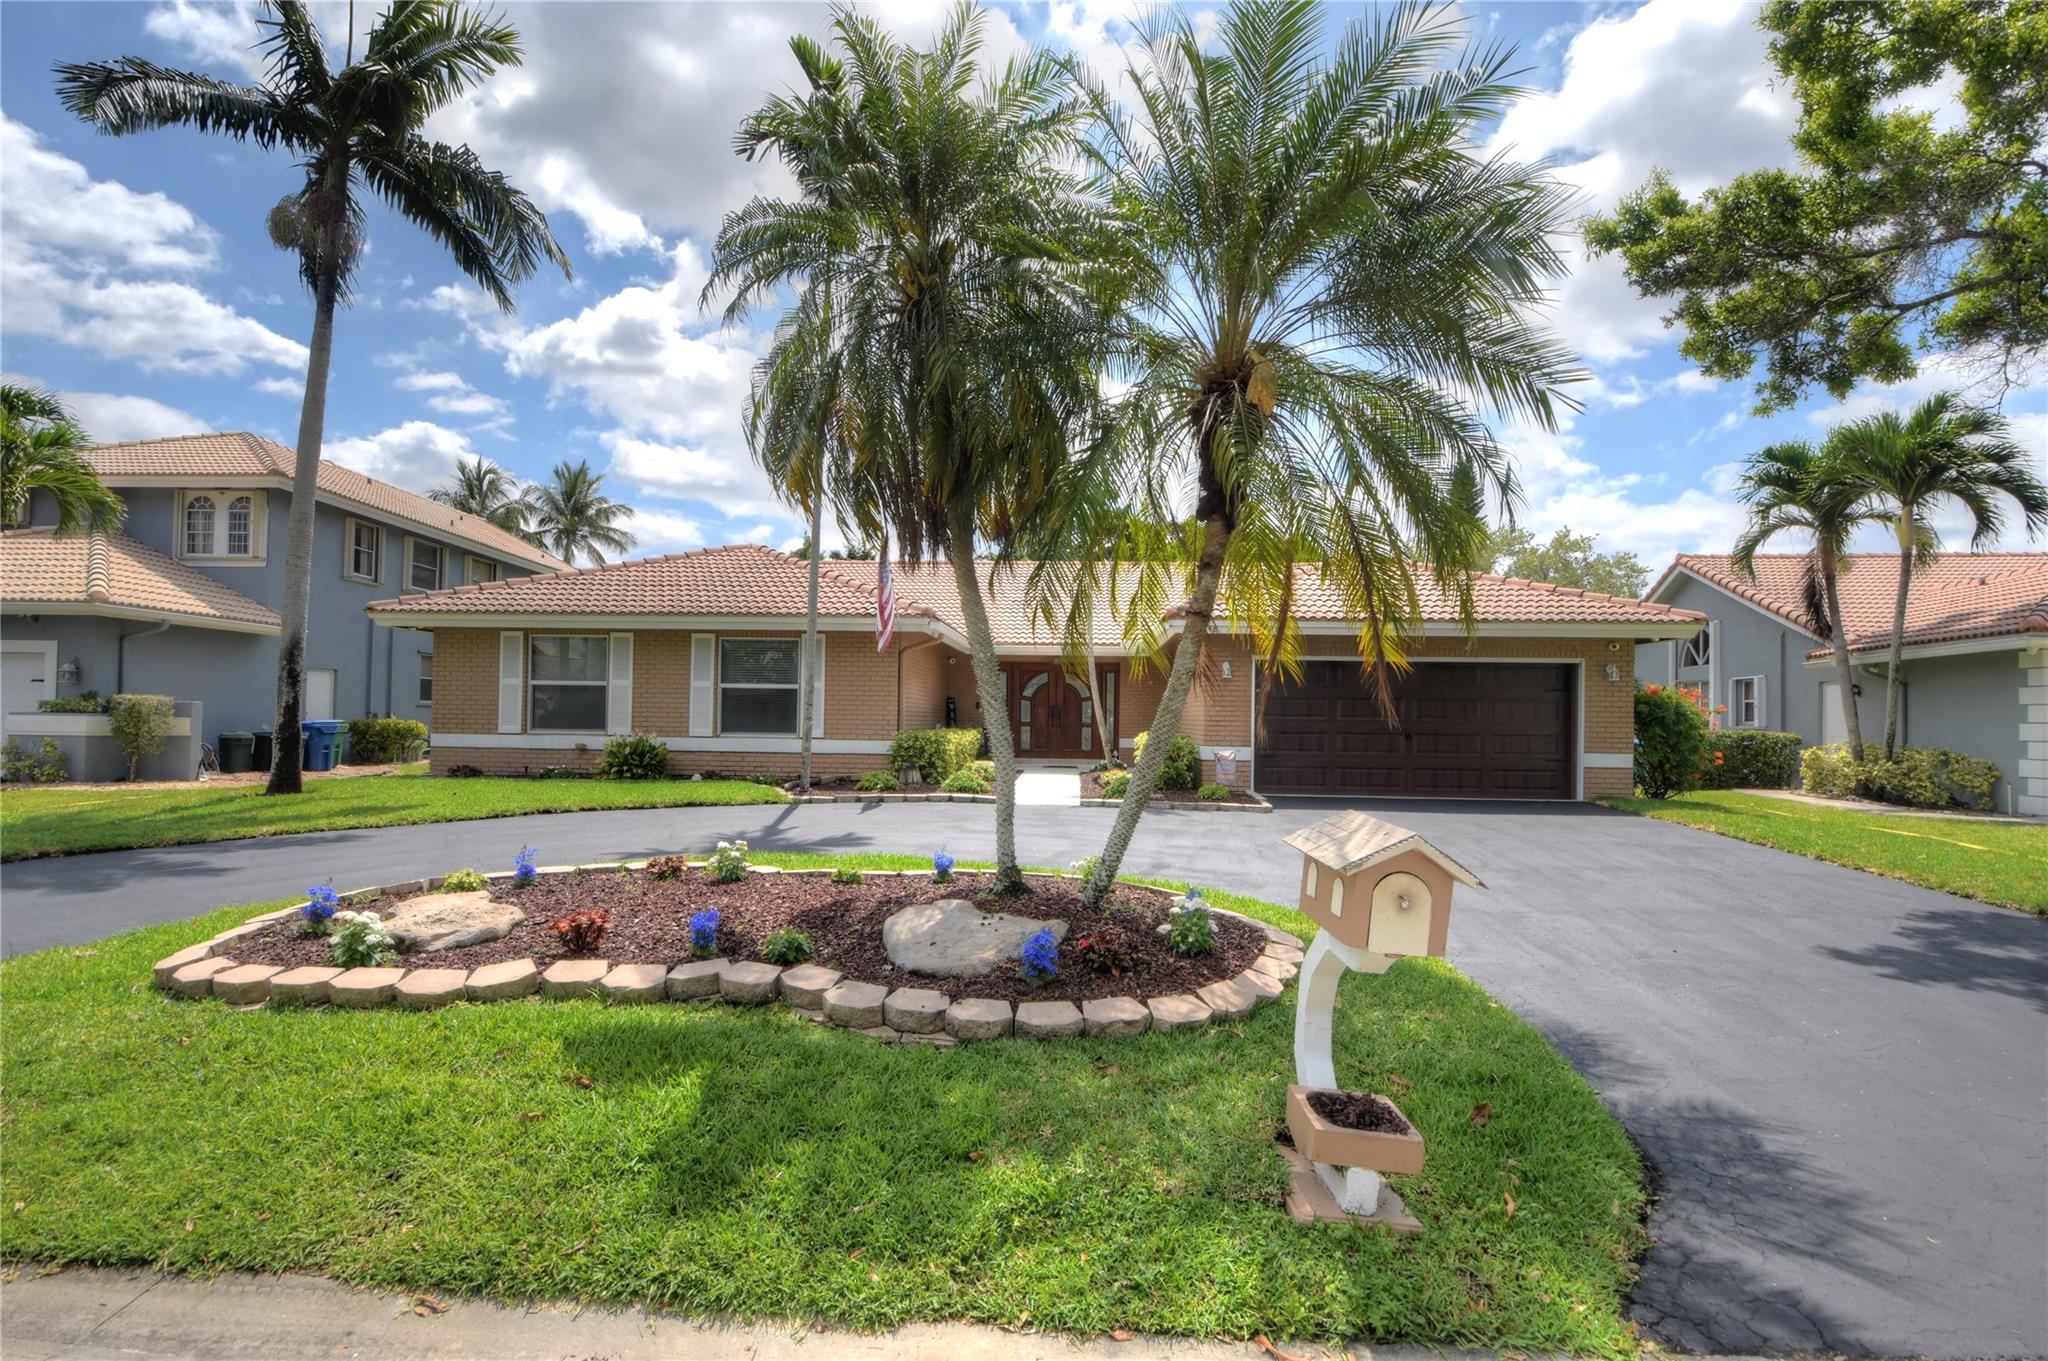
x=1957 y=597
x=748 y=580
x=113 y=574
x=238 y=454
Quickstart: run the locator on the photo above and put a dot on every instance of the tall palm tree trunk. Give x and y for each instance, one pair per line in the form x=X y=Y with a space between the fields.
x=1845 y=674
x=988 y=684
x=1172 y=704
x=295 y=611
x=1893 y=681
x=808 y=671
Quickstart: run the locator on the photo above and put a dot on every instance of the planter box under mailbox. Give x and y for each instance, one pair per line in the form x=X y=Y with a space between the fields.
x=1320 y=1141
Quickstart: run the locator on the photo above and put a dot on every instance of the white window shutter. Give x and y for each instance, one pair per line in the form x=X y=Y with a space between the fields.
x=1763 y=715
x=618 y=713
x=703 y=682
x=818 y=690
x=511 y=664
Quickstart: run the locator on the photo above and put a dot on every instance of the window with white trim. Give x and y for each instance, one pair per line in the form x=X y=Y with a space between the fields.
x=365 y=549
x=758 y=685
x=220 y=526
x=425 y=565
x=426 y=678
x=475 y=569
x=199 y=512
x=1698 y=650
x=1746 y=701
x=241 y=526
x=569 y=675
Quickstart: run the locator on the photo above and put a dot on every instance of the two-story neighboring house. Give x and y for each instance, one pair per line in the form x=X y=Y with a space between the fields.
x=184 y=600
x=1975 y=659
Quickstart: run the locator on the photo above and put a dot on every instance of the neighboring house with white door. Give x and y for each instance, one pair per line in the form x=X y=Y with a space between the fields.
x=1976 y=654
x=184 y=600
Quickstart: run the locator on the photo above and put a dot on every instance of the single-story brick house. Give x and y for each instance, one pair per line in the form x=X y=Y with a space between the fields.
x=702 y=649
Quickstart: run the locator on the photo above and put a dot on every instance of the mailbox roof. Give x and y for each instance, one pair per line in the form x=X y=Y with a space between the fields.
x=1350 y=841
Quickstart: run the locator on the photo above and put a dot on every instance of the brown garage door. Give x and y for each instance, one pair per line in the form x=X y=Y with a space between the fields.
x=1468 y=730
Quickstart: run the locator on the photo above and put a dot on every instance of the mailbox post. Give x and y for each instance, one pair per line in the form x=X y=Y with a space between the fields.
x=1378 y=893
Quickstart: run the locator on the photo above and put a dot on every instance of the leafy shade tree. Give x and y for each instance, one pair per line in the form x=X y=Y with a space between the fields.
x=1332 y=283
x=1909 y=466
x=1793 y=488
x=572 y=518
x=1567 y=559
x=1896 y=234
x=356 y=128
x=41 y=451
x=486 y=490
x=947 y=277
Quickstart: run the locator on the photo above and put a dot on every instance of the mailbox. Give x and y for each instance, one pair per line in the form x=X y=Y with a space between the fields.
x=1377 y=887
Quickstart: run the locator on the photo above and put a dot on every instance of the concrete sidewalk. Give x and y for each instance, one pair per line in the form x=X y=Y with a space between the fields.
x=89 y=1312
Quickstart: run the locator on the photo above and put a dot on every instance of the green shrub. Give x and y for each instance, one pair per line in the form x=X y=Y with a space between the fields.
x=48 y=766
x=1672 y=754
x=632 y=756
x=936 y=752
x=786 y=947
x=1183 y=768
x=84 y=702
x=1189 y=928
x=1920 y=777
x=966 y=780
x=728 y=863
x=359 y=941
x=1214 y=793
x=385 y=741
x=1116 y=785
x=846 y=874
x=1754 y=759
x=141 y=722
x=878 y=782
x=464 y=881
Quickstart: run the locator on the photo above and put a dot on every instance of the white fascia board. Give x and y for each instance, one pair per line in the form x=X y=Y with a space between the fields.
x=415 y=618
x=1878 y=656
x=576 y=741
x=1638 y=631
x=1719 y=589
x=94 y=610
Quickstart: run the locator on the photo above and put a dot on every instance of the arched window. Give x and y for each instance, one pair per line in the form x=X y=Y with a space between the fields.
x=241 y=519
x=199 y=527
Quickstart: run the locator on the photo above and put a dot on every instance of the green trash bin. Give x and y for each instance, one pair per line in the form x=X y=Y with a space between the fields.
x=236 y=751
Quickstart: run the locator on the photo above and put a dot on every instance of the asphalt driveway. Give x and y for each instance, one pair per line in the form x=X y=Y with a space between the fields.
x=1841 y=1081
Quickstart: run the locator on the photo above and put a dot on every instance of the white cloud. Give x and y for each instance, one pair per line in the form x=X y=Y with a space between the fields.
x=452 y=395
x=442 y=381
x=214 y=34
x=294 y=388
x=112 y=417
x=417 y=455
x=758 y=534
x=48 y=203
x=662 y=531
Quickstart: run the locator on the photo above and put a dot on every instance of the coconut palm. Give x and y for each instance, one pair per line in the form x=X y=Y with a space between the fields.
x=1794 y=488
x=486 y=490
x=573 y=518
x=1334 y=287
x=960 y=310
x=41 y=446
x=351 y=129
x=1910 y=466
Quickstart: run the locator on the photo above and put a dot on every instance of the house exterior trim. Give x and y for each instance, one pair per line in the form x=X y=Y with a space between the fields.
x=1671 y=575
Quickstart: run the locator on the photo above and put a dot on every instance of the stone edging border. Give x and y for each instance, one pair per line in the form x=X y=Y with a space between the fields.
x=900 y=1016
x=1174 y=806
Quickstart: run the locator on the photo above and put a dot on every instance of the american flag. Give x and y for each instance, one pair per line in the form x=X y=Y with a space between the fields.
x=885 y=601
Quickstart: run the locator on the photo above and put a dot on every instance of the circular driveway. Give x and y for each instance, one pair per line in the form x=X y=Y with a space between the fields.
x=1838 y=1078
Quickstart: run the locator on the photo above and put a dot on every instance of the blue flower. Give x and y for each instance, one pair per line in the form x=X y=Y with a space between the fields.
x=320 y=903
x=1041 y=958
x=942 y=863
x=523 y=872
x=704 y=930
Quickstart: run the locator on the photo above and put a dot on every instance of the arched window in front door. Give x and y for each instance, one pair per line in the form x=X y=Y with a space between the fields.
x=1031 y=687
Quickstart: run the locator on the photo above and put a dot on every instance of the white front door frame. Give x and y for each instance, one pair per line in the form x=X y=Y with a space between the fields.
x=46 y=684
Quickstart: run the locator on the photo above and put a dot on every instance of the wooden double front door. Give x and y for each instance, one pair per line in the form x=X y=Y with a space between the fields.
x=1053 y=715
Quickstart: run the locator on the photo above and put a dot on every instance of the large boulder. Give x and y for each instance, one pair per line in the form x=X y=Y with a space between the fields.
x=449 y=921
x=952 y=938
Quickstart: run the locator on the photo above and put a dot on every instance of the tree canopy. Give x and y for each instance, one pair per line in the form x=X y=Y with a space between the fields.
x=1567 y=559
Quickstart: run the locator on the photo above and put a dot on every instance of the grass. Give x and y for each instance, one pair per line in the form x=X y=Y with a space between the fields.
x=718 y=1161
x=1996 y=862
x=54 y=820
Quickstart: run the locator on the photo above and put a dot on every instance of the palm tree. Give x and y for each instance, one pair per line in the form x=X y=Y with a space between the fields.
x=356 y=127
x=959 y=315
x=572 y=517
x=1907 y=466
x=1333 y=286
x=488 y=491
x=1792 y=487
x=40 y=451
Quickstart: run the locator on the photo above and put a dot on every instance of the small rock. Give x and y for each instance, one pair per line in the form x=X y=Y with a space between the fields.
x=424 y=989
x=1229 y=1000
x=574 y=977
x=635 y=982
x=1264 y=985
x=448 y=921
x=1047 y=1020
x=306 y=985
x=805 y=986
x=511 y=978
x=952 y=938
x=1115 y=1016
x=244 y=983
x=170 y=964
x=364 y=987
x=857 y=1006
x=748 y=984
x=978 y=1018
x=196 y=979
x=920 y=1011
x=698 y=978
x=1177 y=1011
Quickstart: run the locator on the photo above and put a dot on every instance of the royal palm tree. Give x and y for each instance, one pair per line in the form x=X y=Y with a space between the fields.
x=1792 y=487
x=486 y=490
x=1909 y=466
x=572 y=517
x=960 y=309
x=1334 y=286
x=351 y=129
x=41 y=446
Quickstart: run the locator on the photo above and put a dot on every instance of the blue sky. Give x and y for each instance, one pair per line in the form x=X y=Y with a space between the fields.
x=135 y=275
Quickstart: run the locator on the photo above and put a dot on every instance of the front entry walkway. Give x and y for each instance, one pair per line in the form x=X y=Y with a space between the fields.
x=1049 y=787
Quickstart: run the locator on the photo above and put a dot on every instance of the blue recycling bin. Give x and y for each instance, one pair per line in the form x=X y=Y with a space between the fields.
x=323 y=742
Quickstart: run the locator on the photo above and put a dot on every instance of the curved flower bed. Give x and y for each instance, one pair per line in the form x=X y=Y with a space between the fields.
x=647 y=953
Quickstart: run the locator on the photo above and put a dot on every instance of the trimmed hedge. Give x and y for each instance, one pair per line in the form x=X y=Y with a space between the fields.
x=1672 y=754
x=385 y=741
x=1752 y=758
x=966 y=780
x=1920 y=777
x=936 y=752
x=1183 y=767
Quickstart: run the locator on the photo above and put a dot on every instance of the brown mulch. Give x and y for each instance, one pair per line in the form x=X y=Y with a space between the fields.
x=1091 y=788
x=1360 y=1111
x=651 y=924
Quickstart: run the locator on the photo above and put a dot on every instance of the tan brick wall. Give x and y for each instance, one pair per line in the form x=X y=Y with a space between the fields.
x=465 y=680
x=922 y=698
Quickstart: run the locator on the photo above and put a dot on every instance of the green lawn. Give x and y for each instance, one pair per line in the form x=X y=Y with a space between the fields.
x=1998 y=862
x=712 y=1160
x=53 y=820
